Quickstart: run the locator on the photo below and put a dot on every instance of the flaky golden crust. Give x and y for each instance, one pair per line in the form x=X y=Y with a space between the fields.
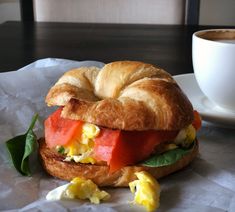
x=53 y=163
x=123 y=95
x=77 y=84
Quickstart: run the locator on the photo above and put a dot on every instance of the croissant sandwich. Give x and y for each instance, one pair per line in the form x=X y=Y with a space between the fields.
x=112 y=122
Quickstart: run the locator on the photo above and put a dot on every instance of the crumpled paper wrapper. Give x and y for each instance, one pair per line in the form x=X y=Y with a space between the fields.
x=208 y=184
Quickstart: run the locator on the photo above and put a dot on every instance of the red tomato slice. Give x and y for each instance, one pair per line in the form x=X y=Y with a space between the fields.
x=60 y=131
x=105 y=143
x=122 y=148
x=197 y=122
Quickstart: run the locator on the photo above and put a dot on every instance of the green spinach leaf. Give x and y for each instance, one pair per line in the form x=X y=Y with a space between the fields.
x=166 y=158
x=21 y=147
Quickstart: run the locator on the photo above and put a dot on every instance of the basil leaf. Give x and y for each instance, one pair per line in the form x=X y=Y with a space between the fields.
x=21 y=147
x=61 y=150
x=30 y=147
x=166 y=158
x=33 y=121
x=15 y=147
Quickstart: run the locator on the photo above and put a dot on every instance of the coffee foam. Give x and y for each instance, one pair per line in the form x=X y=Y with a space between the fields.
x=217 y=35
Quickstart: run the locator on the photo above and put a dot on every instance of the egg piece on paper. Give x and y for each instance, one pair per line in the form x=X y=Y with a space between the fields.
x=146 y=190
x=78 y=188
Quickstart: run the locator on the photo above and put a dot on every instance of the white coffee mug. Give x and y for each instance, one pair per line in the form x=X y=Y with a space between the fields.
x=213 y=54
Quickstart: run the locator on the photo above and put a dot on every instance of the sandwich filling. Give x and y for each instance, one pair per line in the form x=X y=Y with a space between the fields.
x=84 y=142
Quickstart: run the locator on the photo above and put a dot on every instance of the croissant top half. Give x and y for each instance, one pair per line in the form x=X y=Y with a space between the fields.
x=125 y=95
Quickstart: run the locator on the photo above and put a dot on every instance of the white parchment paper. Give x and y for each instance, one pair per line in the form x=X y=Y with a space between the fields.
x=208 y=184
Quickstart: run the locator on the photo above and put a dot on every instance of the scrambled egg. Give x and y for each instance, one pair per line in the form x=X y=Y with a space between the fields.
x=147 y=190
x=80 y=150
x=86 y=189
x=168 y=147
x=186 y=136
x=79 y=188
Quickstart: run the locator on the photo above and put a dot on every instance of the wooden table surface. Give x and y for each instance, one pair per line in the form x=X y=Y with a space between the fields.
x=167 y=46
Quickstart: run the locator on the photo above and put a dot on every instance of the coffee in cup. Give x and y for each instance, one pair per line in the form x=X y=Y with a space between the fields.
x=213 y=54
